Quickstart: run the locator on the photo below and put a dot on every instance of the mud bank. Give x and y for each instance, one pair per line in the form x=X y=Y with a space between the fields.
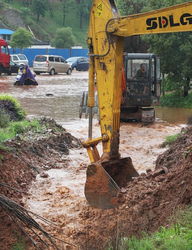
x=146 y=203
x=25 y=157
x=57 y=164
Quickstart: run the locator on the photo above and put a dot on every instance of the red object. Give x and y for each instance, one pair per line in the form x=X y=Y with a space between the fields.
x=4 y=56
x=123 y=85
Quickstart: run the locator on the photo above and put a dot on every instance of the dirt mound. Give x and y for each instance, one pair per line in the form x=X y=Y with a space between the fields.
x=178 y=151
x=147 y=203
x=9 y=107
x=23 y=160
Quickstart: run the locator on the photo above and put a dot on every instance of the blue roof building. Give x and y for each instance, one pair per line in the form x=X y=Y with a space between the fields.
x=6 y=34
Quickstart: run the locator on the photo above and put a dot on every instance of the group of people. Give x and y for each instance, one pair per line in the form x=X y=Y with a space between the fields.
x=25 y=76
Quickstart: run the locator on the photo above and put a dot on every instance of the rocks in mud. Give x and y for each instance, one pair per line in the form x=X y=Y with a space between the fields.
x=44 y=175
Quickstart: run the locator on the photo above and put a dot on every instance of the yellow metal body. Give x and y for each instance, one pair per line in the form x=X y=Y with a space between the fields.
x=105 y=41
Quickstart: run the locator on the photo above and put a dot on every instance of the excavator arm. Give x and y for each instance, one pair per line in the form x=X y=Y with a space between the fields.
x=107 y=30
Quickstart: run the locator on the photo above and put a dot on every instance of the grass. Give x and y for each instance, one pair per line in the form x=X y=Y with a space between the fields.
x=178 y=236
x=19 y=246
x=174 y=100
x=16 y=128
x=15 y=105
x=4 y=119
x=169 y=140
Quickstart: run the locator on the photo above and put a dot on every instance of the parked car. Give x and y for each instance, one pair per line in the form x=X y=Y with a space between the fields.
x=19 y=59
x=51 y=64
x=79 y=63
x=14 y=68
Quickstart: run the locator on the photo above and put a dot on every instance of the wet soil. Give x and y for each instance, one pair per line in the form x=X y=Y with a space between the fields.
x=60 y=198
x=58 y=193
x=23 y=159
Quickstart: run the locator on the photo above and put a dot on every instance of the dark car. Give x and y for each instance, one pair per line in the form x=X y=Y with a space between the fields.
x=79 y=63
x=13 y=68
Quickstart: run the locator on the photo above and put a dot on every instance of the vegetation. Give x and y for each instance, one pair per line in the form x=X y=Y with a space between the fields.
x=174 y=49
x=10 y=105
x=12 y=120
x=175 y=237
x=16 y=128
x=4 y=119
x=64 y=38
x=21 y=39
x=19 y=246
x=39 y=7
x=45 y=17
x=169 y=140
x=176 y=100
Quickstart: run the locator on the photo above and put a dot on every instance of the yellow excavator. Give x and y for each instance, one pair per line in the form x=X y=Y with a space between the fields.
x=108 y=173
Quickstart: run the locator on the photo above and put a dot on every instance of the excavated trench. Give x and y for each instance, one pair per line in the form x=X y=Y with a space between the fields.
x=52 y=168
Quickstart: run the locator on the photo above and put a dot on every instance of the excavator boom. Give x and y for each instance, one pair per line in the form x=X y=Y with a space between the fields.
x=109 y=172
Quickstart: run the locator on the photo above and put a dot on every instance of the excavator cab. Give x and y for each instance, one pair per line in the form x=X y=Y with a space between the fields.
x=141 y=91
x=143 y=81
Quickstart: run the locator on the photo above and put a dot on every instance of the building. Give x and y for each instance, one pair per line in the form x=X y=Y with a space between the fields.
x=6 y=34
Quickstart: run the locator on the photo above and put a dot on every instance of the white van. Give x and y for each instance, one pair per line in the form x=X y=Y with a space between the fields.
x=51 y=64
x=19 y=59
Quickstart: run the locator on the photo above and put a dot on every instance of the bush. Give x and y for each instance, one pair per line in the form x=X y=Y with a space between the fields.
x=64 y=38
x=11 y=107
x=4 y=119
x=174 y=100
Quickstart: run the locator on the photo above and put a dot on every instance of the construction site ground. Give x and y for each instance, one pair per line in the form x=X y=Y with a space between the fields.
x=51 y=169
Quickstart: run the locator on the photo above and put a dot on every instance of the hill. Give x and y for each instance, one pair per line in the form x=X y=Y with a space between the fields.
x=44 y=19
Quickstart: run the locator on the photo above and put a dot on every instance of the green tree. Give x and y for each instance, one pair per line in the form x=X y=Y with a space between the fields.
x=128 y=7
x=64 y=38
x=67 y=6
x=175 y=51
x=39 y=7
x=21 y=39
x=133 y=44
x=83 y=11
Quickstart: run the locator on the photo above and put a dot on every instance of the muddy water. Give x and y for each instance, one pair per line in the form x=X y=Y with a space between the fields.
x=60 y=197
x=59 y=97
x=173 y=115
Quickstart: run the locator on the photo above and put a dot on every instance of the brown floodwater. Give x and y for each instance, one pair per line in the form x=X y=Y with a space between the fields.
x=173 y=115
x=59 y=97
x=60 y=197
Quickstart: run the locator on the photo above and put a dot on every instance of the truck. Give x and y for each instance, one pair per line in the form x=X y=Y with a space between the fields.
x=4 y=57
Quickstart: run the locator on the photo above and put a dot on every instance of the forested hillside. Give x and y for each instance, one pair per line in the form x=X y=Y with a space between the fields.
x=45 y=17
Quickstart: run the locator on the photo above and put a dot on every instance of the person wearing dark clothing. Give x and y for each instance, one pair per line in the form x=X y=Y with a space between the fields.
x=141 y=72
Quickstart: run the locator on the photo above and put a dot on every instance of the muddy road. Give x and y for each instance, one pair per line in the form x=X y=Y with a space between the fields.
x=60 y=196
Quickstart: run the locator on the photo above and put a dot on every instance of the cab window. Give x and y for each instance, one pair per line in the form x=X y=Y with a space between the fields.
x=5 y=50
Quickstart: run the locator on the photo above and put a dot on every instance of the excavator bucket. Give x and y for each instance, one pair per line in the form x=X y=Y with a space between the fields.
x=105 y=179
